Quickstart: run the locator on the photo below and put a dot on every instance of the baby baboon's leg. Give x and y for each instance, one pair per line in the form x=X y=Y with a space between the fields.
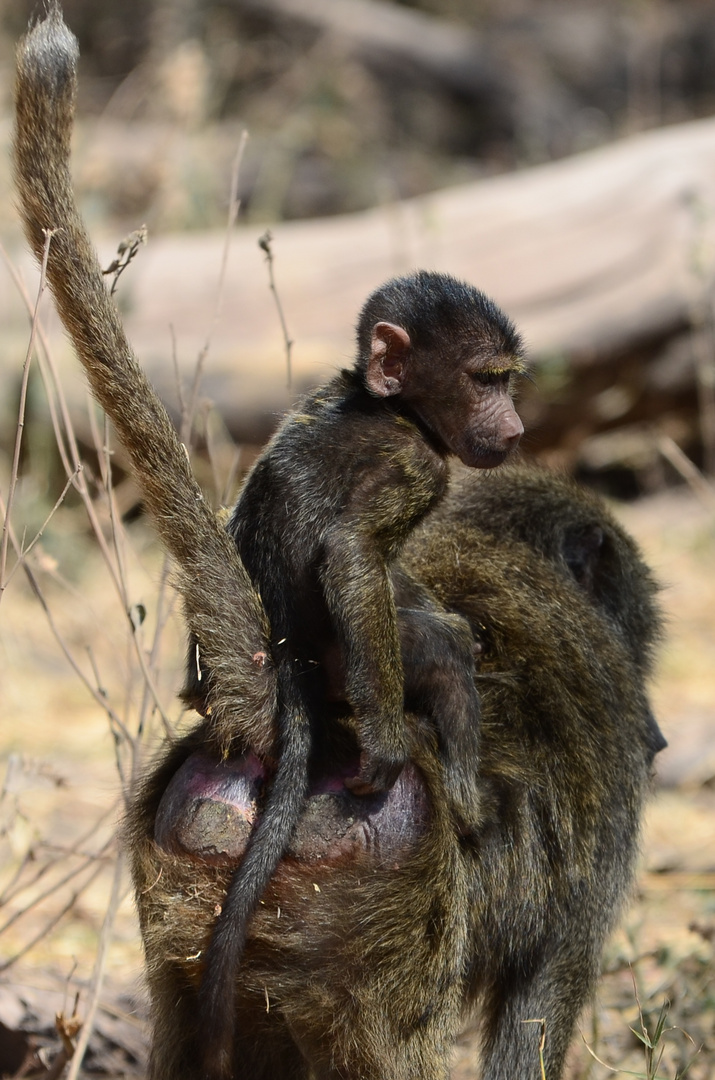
x=438 y=651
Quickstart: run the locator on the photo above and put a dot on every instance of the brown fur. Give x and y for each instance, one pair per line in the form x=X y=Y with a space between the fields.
x=372 y=976
x=370 y=966
x=321 y=518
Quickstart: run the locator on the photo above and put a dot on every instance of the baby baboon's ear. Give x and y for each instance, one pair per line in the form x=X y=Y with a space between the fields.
x=389 y=351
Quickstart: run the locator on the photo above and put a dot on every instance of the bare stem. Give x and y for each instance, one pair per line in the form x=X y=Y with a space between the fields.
x=688 y=470
x=16 y=886
x=98 y=696
x=49 y=233
x=75 y=872
x=29 y=945
x=126 y=251
x=234 y=204
x=99 y=970
x=38 y=535
x=265 y=245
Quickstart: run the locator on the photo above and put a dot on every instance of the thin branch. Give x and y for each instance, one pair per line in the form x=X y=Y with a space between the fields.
x=126 y=251
x=116 y=531
x=35 y=586
x=99 y=970
x=187 y=412
x=38 y=536
x=81 y=487
x=184 y=435
x=99 y=444
x=15 y=887
x=29 y=945
x=76 y=473
x=687 y=469
x=53 y=888
x=118 y=538
x=265 y=245
x=24 y=295
x=149 y=680
x=115 y=521
x=542 y=1042
x=115 y=568
x=114 y=718
x=215 y=439
x=49 y=233
x=80 y=483
x=234 y=204
x=164 y=612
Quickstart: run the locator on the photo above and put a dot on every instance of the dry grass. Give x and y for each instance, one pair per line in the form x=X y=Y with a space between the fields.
x=88 y=623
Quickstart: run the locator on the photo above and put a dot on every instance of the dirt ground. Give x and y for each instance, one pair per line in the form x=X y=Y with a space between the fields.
x=61 y=798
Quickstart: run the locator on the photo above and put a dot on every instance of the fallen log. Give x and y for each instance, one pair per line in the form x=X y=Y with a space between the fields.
x=602 y=259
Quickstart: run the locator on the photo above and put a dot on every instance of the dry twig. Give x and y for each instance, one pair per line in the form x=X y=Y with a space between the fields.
x=21 y=417
x=265 y=245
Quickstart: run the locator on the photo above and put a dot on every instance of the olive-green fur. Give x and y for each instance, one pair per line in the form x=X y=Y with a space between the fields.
x=354 y=969
x=372 y=976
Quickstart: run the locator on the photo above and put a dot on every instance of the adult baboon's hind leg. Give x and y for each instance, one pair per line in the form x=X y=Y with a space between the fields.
x=264 y=1048
x=418 y=1061
x=522 y=1009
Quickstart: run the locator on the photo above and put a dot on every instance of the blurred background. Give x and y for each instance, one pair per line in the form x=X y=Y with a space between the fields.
x=401 y=123
x=561 y=156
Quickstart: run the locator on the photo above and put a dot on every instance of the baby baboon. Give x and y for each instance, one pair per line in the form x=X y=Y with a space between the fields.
x=321 y=518
x=382 y=930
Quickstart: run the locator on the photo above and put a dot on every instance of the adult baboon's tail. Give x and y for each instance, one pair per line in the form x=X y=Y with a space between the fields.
x=222 y=608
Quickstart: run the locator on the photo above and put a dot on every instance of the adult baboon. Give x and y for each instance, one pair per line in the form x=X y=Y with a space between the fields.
x=382 y=928
x=318 y=524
